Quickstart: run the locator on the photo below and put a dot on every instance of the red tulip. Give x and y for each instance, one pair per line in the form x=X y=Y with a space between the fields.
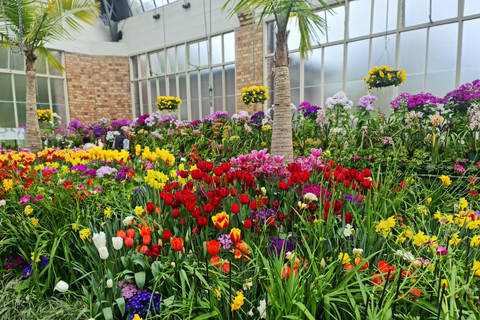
x=196 y=230
x=175 y=213
x=283 y=185
x=235 y=208
x=142 y=249
x=167 y=235
x=244 y=198
x=226 y=267
x=197 y=174
x=150 y=207
x=128 y=242
x=367 y=173
x=131 y=233
x=212 y=247
x=286 y=272
x=271 y=222
x=122 y=234
x=147 y=240
x=218 y=171
x=177 y=244
x=247 y=224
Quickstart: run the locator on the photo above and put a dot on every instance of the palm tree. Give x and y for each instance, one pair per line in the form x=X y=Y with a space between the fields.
x=309 y=24
x=30 y=24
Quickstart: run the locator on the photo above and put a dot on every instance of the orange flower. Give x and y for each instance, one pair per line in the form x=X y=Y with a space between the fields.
x=241 y=250
x=286 y=272
x=145 y=231
x=177 y=244
x=221 y=220
x=362 y=262
x=226 y=267
x=215 y=261
x=235 y=235
x=213 y=247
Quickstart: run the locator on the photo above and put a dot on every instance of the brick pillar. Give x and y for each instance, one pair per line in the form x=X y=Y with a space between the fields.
x=98 y=87
x=247 y=50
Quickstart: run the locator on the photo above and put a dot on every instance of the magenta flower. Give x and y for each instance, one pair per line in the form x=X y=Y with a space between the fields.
x=459 y=168
x=316 y=152
x=25 y=199
x=441 y=251
x=37 y=198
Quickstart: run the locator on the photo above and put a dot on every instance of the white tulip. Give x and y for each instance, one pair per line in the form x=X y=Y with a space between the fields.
x=61 y=286
x=109 y=283
x=99 y=240
x=117 y=243
x=310 y=197
x=128 y=221
x=103 y=252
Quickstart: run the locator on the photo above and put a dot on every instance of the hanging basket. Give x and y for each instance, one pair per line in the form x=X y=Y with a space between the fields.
x=254 y=95
x=385 y=77
x=168 y=104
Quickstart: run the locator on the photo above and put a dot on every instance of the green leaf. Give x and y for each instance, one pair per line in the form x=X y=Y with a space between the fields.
x=107 y=313
x=140 y=279
x=121 y=305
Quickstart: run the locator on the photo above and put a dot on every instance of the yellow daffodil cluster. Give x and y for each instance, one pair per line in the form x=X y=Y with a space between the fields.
x=168 y=104
x=406 y=234
x=476 y=267
x=445 y=180
x=238 y=301
x=45 y=115
x=266 y=127
x=420 y=239
x=7 y=184
x=85 y=234
x=385 y=77
x=344 y=257
x=162 y=154
x=384 y=226
x=156 y=179
x=20 y=158
x=108 y=155
x=254 y=94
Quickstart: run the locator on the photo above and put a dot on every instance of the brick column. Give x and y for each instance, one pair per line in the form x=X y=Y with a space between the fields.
x=98 y=87
x=247 y=50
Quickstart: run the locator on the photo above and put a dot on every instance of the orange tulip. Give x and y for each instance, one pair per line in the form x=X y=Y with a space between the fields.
x=142 y=249
x=364 y=263
x=128 y=242
x=286 y=272
x=226 y=267
x=177 y=244
x=147 y=240
x=221 y=220
x=213 y=247
x=145 y=231
x=215 y=261
x=235 y=235
x=241 y=250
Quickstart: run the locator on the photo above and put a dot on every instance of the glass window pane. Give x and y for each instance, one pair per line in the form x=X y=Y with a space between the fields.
x=143 y=65
x=230 y=89
x=51 y=69
x=148 y=5
x=471 y=7
x=444 y=9
x=61 y=110
x=271 y=43
x=154 y=64
x=416 y=12
x=380 y=56
x=161 y=60
x=322 y=34
x=42 y=90
x=194 y=104
x=384 y=96
x=161 y=86
x=217 y=88
x=7 y=115
x=229 y=46
x=136 y=100
x=470 y=62
x=294 y=70
x=20 y=87
x=6 y=93
x=41 y=65
x=153 y=94
x=172 y=86
x=204 y=80
x=333 y=70
x=134 y=67
x=181 y=58
x=203 y=53
x=143 y=85
x=294 y=35
x=58 y=91
x=22 y=113
x=217 y=50
x=17 y=61
x=441 y=67
x=356 y=90
x=380 y=15
x=313 y=68
x=336 y=24
x=3 y=58
x=359 y=20
x=182 y=87
x=171 y=60
x=193 y=52
x=413 y=46
x=136 y=7
x=357 y=60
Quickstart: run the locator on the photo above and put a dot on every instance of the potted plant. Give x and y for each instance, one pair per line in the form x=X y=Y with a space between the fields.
x=385 y=77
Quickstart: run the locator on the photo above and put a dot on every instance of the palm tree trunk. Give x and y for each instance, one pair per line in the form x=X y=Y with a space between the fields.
x=33 y=140
x=282 y=144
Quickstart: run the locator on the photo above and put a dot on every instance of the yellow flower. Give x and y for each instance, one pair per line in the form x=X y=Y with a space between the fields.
x=85 y=234
x=33 y=256
x=476 y=267
x=28 y=210
x=475 y=241
x=74 y=227
x=107 y=212
x=445 y=180
x=138 y=210
x=381 y=73
x=137 y=317
x=7 y=184
x=420 y=238
x=455 y=240
x=34 y=222
x=238 y=301
x=463 y=203
x=344 y=258
x=217 y=294
x=429 y=200
x=266 y=127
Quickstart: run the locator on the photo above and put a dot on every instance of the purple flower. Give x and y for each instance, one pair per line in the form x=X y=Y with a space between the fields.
x=217 y=114
x=37 y=198
x=98 y=189
x=366 y=102
x=304 y=105
x=279 y=244
x=441 y=251
x=80 y=168
x=81 y=187
x=262 y=214
x=25 y=199
x=225 y=241
x=141 y=119
x=464 y=94
x=105 y=170
x=27 y=271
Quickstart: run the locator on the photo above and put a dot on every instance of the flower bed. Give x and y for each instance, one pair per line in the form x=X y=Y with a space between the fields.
x=146 y=235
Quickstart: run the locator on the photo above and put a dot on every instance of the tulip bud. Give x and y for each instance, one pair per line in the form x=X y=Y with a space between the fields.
x=103 y=252
x=160 y=243
x=322 y=263
x=183 y=250
x=99 y=240
x=61 y=286
x=187 y=238
x=109 y=283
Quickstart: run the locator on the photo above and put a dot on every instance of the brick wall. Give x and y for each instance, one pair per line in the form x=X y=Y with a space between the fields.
x=244 y=52
x=98 y=86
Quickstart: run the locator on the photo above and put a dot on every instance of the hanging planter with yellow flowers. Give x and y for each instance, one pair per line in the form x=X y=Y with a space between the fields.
x=254 y=94
x=385 y=77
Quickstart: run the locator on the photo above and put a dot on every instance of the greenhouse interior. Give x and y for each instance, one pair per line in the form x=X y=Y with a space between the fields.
x=240 y=159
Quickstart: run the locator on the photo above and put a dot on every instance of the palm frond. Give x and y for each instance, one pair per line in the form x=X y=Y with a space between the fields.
x=41 y=50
